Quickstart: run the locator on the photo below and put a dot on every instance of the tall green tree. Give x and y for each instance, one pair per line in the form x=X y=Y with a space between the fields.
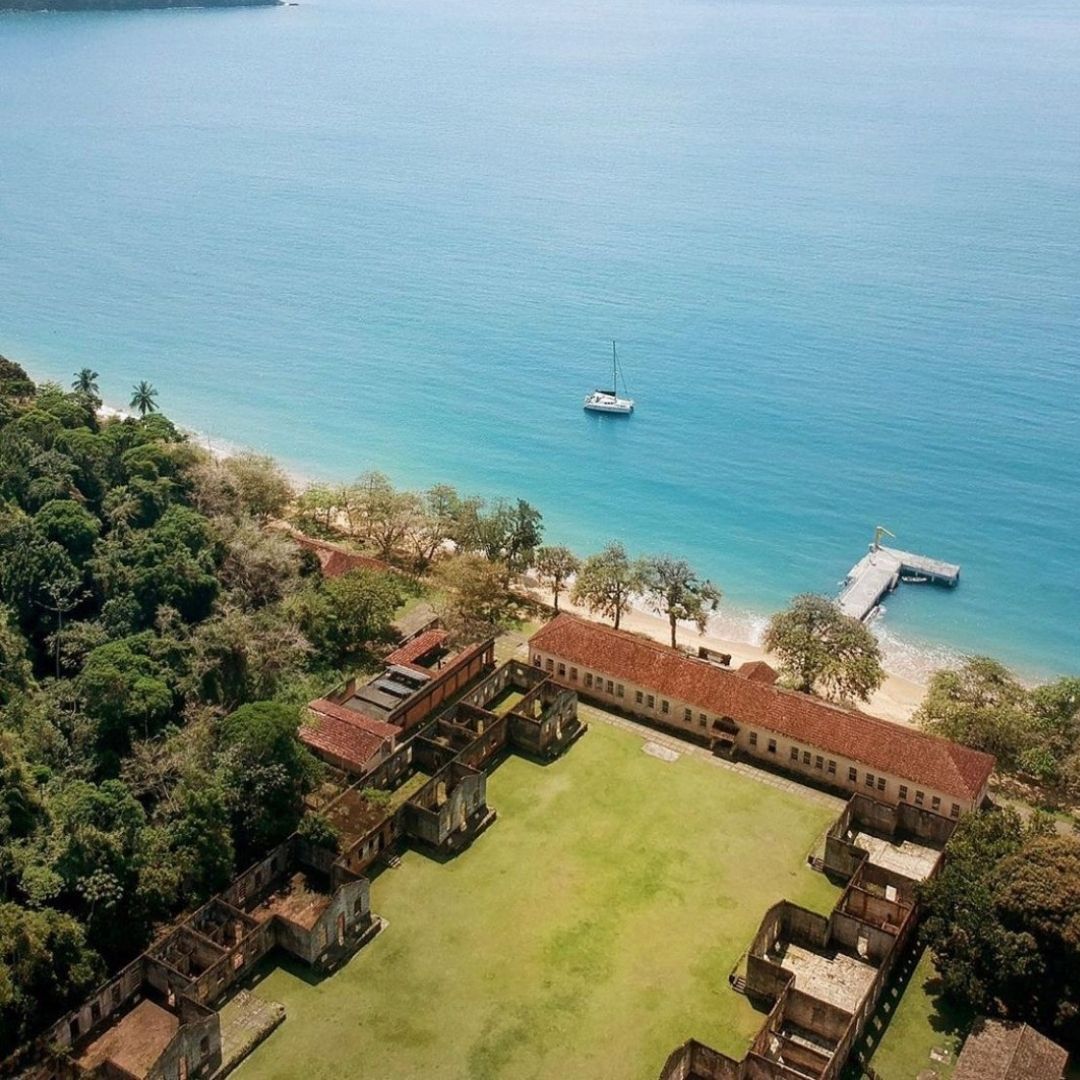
x=607 y=583
x=266 y=770
x=982 y=705
x=823 y=650
x=475 y=603
x=676 y=592
x=86 y=382
x=555 y=566
x=509 y=534
x=142 y=398
x=1003 y=920
x=46 y=966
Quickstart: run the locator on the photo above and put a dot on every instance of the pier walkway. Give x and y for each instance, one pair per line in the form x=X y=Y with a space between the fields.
x=880 y=570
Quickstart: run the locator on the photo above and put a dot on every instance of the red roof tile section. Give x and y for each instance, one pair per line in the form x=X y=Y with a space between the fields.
x=342 y=740
x=878 y=744
x=419 y=647
x=336 y=560
x=759 y=671
x=322 y=707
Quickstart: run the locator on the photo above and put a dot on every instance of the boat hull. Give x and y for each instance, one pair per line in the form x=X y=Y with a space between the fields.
x=622 y=408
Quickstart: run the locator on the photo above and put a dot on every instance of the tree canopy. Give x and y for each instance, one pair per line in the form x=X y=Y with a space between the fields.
x=1003 y=920
x=822 y=650
x=676 y=592
x=607 y=583
x=155 y=637
x=1034 y=732
x=555 y=566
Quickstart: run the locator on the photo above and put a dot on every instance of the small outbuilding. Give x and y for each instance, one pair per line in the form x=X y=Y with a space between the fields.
x=1006 y=1050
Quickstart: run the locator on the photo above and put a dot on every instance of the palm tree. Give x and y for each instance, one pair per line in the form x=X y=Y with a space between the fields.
x=86 y=382
x=143 y=398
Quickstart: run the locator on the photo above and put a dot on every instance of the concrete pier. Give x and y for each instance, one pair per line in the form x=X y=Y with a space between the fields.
x=880 y=570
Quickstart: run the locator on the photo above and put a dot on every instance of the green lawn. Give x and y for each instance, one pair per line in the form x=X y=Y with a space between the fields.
x=586 y=934
x=923 y=1021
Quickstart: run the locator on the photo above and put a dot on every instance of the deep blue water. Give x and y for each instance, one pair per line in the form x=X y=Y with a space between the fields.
x=839 y=244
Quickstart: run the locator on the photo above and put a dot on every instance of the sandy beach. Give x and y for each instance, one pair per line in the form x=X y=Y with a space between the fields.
x=897 y=699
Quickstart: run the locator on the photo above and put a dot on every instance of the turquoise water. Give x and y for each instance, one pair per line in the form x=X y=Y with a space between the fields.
x=839 y=244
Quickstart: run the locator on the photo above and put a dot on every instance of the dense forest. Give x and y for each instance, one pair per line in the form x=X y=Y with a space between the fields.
x=156 y=641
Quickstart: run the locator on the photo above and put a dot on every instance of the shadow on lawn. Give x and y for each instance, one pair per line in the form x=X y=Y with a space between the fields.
x=948 y=1018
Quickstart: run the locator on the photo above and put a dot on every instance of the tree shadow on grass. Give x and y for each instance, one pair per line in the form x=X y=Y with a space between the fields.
x=948 y=1018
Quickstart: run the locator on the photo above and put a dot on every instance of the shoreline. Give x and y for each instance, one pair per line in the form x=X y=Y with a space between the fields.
x=908 y=665
x=896 y=700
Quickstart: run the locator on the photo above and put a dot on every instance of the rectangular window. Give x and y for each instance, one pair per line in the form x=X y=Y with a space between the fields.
x=869 y=779
x=620 y=690
x=588 y=678
x=753 y=738
x=665 y=706
x=610 y=687
x=651 y=702
x=832 y=768
x=806 y=757
x=687 y=715
x=562 y=670
x=852 y=775
x=794 y=753
x=536 y=660
x=935 y=803
x=903 y=792
x=819 y=762
x=919 y=796
x=955 y=812
x=772 y=746
x=639 y=697
x=881 y=783
x=702 y=721
x=549 y=665
x=573 y=674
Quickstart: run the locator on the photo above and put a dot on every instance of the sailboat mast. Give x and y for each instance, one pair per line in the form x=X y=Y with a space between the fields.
x=614 y=372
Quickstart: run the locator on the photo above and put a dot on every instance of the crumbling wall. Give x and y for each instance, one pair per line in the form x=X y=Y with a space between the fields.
x=98 y=1007
x=251 y=887
x=862 y=938
x=813 y=1014
x=336 y=930
x=446 y=805
x=925 y=825
x=785 y=921
x=194 y=1050
x=696 y=1061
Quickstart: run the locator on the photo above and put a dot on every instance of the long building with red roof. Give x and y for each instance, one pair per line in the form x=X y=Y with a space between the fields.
x=743 y=712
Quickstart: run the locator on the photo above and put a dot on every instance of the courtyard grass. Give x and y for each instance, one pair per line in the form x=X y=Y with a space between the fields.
x=588 y=933
x=924 y=1022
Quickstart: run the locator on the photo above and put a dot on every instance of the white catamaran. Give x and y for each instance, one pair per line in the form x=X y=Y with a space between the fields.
x=608 y=401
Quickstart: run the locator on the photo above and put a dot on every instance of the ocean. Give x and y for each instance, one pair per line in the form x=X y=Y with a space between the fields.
x=837 y=242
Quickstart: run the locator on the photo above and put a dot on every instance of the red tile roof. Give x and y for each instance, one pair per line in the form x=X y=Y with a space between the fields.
x=342 y=741
x=418 y=647
x=759 y=671
x=323 y=707
x=336 y=560
x=878 y=744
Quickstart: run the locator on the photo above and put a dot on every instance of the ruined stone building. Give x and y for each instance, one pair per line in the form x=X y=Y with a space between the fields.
x=741 y=713
x=423 y=783
x=156 y=1021
x=821 y=977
